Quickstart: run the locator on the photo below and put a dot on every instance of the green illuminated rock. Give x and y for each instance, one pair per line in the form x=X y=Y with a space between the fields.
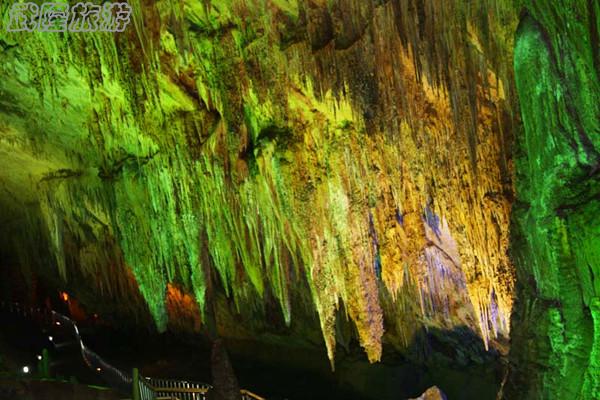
x=556 y=242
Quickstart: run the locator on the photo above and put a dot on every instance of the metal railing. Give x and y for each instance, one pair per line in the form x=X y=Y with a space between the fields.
x=155 y=389
x=169 y=389
x=248 y=395
x=146 y=392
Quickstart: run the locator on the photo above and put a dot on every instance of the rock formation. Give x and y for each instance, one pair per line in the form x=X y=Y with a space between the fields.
x=432 y=394
x=275 y=166
x=271 y=151
x=556 y=330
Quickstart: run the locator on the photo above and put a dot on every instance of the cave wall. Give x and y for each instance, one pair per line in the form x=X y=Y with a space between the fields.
x=555 y=331
x=345 y=159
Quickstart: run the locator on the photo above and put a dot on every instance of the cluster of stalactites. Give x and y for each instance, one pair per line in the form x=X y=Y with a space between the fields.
x=263 y=159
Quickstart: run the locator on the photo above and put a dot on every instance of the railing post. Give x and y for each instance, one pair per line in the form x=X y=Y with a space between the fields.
x=44 y=365
x=136 y=384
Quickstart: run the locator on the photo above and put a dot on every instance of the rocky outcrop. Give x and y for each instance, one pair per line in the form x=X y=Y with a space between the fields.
x=225 y=384
x=433 y=393
x=555 y=330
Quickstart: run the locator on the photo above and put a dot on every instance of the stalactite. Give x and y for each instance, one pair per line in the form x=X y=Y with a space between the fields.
x=359 y=146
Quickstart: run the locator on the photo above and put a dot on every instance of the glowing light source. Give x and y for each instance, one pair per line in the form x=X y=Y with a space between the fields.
x=64 y=296
x=50 y=338
x=26 y=369
x=98 y=369
x=39 y=357
x=58 y=323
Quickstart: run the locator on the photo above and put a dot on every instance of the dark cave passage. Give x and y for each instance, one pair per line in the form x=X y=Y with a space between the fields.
x=275 y=371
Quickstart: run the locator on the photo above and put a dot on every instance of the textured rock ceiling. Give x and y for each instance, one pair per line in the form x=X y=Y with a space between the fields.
x=354 y=155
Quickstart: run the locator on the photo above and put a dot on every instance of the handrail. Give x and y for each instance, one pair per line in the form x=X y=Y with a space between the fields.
x=179 y=390
x=246 y=394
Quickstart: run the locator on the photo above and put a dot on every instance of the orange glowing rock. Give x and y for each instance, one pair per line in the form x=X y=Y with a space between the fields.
x=182 y=309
